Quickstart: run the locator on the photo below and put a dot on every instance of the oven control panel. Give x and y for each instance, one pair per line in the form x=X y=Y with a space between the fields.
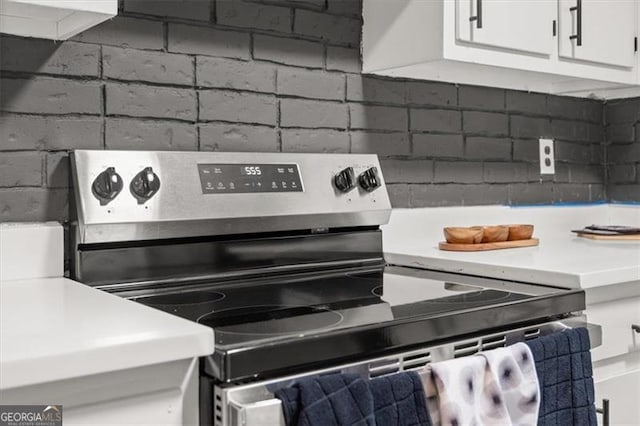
x=247 y=178
x=158 y=194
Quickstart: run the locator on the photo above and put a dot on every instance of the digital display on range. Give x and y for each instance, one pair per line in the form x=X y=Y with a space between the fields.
x=243 y=178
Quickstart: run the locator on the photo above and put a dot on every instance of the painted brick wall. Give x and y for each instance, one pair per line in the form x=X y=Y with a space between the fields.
x=274 y=75
x=622 y=130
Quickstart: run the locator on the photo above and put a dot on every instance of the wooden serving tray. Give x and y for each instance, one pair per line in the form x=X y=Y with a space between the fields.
x=488 y=246
x=627 y=237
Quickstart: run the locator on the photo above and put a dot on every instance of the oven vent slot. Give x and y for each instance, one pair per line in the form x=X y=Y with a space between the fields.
x=493 y=342
x=384 y=367
x=531 y=333
x=415 y=360
x=467 y=348
x=218 y=407
x=409 y=361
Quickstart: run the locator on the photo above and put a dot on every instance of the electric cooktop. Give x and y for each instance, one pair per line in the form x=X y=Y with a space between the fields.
x=338 y=313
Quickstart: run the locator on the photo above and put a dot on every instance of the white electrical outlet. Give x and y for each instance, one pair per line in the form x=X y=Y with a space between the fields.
x=547 y=159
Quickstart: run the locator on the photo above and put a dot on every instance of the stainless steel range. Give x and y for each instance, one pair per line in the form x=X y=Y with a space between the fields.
x=281 y=255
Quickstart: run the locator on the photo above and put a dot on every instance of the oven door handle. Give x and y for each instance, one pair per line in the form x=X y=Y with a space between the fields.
x=594 y=330
x=266 y=412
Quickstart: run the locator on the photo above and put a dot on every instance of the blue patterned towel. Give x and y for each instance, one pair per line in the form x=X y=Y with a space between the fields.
x=565 y=374
x=331 y=400
x=399 y=400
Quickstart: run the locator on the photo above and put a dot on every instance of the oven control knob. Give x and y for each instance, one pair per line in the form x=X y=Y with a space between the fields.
x=145 y=185
x=106 y=186
x=345 y=180
x=369 y=179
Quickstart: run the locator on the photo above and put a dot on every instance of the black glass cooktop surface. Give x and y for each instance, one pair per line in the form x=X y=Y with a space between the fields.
x=267 y=325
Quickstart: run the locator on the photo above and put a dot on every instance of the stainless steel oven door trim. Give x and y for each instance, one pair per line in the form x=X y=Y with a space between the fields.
x=253 y=404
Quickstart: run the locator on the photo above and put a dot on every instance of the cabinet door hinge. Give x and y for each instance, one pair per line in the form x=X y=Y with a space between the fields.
x=635 y=44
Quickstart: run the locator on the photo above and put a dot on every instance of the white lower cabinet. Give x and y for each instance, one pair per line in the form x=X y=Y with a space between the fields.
x=623 y=393
x=165 y=394
x=616 y=363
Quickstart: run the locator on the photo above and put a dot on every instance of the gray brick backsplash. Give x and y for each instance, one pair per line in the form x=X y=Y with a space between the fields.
x=140 y=65
x=343 y=59
x=622 y=111
x=485 y=123
x=383 y=144
x=243 y=107
x=208 y=41
x=288 y=51
x=253 y=15
x=531 y=193
x=310 y=84
x=532 y=103
x=622 y=193
x=407 y=171
x=441 y=146
x=431 y=93
x=398 y=194
x=126 y=32
x=314 y=140
x=479 y=147
x=378 y=117
x=569 y=192
x=496 y=172
x=622 y=173
x=138 y=134
x=345 y=7
x=284 y=75
x=49 y=57
x=50 y=96
x=367 y=89
x=33 y=204
x=237 y=137
x=526 y=150
x=57 y=170
x=186 y=9
x=529 y=127
x=486 y=98
x=20 y=169
x=458 y=172
x=145 y=101
x=621 y=133
x=235 y=74
x=313 y=114
x=438 y=120
x=333 y=28
x=49 y=133
x=575 y=108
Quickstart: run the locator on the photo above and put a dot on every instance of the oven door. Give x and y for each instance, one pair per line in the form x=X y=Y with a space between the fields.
x=254 y=404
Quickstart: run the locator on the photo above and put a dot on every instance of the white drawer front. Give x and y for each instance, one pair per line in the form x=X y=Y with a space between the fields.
x=616 y=318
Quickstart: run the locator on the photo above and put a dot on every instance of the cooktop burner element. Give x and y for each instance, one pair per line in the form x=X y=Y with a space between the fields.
x=271 y=320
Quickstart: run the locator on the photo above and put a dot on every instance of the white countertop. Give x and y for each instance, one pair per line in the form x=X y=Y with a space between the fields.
x=55 y=328
x=561 y=259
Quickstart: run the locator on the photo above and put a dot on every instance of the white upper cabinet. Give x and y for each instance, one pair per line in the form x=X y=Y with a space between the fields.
x=600 y=31
x=516 y=44
x=523 y=26
x=53 y=19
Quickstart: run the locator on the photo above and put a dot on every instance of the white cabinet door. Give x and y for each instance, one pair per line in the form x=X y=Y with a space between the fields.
x=606 y=31
x=524 y=25
x=623 y=393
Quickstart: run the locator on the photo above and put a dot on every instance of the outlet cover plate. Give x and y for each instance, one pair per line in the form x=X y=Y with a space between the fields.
x=547 y=157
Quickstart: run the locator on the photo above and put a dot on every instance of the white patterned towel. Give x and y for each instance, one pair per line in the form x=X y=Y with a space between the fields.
x=497 y=387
